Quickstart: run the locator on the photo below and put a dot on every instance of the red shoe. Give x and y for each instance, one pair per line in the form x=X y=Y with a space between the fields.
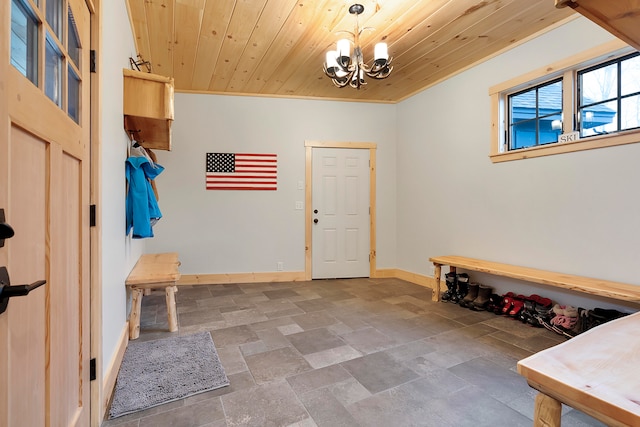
x=517 y=306
x=507 y=302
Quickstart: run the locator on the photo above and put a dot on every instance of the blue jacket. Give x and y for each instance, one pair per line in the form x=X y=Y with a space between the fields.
x=141 y=204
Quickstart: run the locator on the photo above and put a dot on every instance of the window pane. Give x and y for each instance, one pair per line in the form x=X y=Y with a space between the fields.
x=523 y=106
x=599 y=119
x=630 y=76
x=550 y=99
x=24 y=41
x=523 y=135
x=599 y=85
x=550 y=127
x=53 y=72
x=630 y=112
x=73 y=42
x=535 y=116
x=54 y=16
x=73 y=101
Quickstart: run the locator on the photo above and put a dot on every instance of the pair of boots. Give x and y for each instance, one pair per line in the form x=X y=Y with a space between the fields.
x=477 y=298
x=457 y=287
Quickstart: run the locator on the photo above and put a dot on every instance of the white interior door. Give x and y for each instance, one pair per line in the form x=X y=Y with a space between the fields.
x=340 y=213
x=44 y=191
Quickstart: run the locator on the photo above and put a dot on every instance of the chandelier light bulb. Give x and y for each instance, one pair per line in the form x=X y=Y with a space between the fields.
x=380 y=52
x=344 y=48
x=331 y=61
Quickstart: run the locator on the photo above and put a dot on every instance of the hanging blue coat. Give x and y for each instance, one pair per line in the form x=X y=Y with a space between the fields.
x=141 y=204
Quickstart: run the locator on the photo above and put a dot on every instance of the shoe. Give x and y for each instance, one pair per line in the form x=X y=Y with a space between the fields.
x=495 y=304
x=580 y=326
x=516 y=307
x=462 y=288
x=528 y=310
x=565 y=319
x=450 y=280
x=482 y=300
x=471 y=295
x=507 y=302
x=542 y=316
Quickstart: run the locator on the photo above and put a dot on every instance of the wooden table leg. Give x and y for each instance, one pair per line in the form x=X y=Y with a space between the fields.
x=134 y=319
x=171 y=307
x=547 y=412
x=435 y=296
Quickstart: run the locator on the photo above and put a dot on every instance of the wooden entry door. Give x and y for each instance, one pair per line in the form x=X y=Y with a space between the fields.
x=44 y=191
x=341 y=214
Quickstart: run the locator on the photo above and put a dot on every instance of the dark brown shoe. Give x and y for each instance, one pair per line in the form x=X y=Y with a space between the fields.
x=482 y=300
x=471 y=295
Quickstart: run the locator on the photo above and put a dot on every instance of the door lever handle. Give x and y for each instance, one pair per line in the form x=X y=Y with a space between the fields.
x=7 y=291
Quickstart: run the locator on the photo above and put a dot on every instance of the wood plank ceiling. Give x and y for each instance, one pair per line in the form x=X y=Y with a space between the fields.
x=277 y=47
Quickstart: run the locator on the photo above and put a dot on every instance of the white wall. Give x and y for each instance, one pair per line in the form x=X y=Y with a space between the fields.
x=250 y=231
x=119 y=253
x=573 y=213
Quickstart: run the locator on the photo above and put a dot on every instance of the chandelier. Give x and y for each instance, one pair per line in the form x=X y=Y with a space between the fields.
x=343 y=68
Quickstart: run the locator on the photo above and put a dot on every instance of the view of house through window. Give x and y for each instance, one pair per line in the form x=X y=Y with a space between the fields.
x=609 y=97
x=535 y=116
x=605 y=101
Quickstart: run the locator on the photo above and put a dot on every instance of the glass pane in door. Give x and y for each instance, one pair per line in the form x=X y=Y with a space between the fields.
x=73 y=101
x=54 y=16
x=73 y=41
x=24 y=40
x=53 y=72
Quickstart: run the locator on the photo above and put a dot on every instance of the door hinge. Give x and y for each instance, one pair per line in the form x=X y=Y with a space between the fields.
x=92 y=61
x=92 y=215
x=92 y=369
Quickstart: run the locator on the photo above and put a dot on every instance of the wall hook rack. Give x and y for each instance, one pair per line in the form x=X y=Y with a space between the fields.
x=135 y=65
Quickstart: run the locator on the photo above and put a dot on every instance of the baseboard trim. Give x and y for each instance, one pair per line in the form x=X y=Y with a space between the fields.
x=293 y=276
x=111 y=374
x=416 y=278
x=216 y=279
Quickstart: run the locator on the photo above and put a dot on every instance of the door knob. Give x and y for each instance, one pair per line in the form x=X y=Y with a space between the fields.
x=7 y=291
x=315 y=220
x=6 y=232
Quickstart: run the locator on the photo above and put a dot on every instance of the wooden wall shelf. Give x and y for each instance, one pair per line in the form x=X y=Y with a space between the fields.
x=148 y=108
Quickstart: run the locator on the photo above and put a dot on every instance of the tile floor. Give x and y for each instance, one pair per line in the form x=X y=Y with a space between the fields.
x=357 y=352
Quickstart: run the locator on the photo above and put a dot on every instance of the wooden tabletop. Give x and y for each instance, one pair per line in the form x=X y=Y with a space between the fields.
x=155 y=268
x=597 y=372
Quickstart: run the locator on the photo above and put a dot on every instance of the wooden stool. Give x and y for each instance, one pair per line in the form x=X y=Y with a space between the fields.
x=153 y=271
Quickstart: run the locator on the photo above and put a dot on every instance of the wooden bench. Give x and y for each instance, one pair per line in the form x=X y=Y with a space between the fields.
x=595 y=372
x=153 y=271
x=602 y=288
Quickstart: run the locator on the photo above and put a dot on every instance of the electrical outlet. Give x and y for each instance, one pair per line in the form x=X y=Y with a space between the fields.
x=299 y=206
x=280 y=266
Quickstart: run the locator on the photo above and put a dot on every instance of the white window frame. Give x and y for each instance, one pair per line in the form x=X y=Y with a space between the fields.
x=568 y=70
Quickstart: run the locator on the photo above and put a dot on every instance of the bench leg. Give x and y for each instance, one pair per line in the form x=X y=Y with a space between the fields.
x=134 y=319
x=547 y=411
x=435 y=296
x=171 y=307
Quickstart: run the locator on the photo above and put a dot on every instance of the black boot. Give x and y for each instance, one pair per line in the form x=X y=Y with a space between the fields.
x=471 y=295
x=463 y=288
x=452 y=286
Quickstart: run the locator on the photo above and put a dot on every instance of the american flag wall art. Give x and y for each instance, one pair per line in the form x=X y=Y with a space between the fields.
x=242 y=171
